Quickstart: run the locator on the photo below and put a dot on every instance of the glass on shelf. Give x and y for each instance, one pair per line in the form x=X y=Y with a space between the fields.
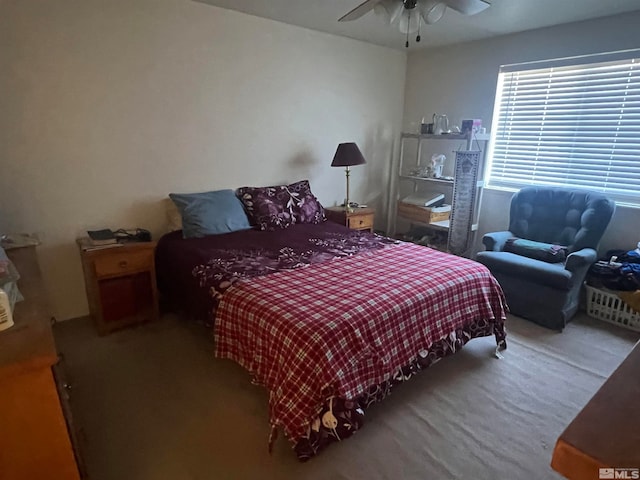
x=424 y=171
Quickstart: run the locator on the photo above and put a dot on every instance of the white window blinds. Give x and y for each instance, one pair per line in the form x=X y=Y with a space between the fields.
x=569 y=125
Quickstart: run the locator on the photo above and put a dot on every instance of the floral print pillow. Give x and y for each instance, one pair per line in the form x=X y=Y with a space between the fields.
x=307 y=208
x=278 y=207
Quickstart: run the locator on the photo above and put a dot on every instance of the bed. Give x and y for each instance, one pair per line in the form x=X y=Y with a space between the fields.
x=328 y=319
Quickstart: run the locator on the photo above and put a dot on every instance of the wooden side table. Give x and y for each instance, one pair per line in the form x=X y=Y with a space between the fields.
x=121 y=285
x=356 y=218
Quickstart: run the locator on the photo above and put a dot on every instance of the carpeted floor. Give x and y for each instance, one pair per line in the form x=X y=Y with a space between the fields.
x=153 y=403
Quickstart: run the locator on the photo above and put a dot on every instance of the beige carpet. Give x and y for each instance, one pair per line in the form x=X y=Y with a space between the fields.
x=155 y=404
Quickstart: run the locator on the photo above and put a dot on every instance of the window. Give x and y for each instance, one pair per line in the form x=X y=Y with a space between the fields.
x=569 y=122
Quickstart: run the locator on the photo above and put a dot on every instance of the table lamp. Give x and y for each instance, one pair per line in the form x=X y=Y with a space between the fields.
x=347 y=155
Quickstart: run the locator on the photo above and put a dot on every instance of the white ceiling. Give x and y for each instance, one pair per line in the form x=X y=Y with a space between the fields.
x=504 y=16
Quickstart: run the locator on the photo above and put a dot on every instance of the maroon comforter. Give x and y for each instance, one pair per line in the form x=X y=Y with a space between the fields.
x=193 y=273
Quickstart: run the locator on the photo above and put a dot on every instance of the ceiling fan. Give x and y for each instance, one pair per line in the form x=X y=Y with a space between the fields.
x=408 y=15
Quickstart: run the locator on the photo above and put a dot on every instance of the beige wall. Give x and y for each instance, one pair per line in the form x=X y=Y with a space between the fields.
x=460 y=81
x=107 y=106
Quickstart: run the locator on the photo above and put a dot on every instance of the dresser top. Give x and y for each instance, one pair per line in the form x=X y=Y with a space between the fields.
x=607 y=430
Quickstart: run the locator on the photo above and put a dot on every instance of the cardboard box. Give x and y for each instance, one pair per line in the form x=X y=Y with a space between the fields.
x=424 y=214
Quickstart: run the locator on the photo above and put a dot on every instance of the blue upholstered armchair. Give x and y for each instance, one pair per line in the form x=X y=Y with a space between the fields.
x=542 y=260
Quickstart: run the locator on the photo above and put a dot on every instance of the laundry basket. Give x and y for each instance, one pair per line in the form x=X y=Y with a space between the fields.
x=607 y=306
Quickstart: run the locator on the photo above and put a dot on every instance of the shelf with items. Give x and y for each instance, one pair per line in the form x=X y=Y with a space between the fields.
x=457 y=189
x=442 y=225
x=480 y=183
x=428 y=237
x=469 y=137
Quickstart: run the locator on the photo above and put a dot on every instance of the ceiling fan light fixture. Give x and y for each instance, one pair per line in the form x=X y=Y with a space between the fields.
x=408 y=15
x=390 y=10
x=409 y=22
x=432 y=10
x=468 y=7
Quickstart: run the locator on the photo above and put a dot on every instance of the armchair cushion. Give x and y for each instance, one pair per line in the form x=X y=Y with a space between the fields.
x=536 y=271
x=546 y=252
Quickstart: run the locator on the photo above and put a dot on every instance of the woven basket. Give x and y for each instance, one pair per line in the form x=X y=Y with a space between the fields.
x=607 y=306
x=423 y=214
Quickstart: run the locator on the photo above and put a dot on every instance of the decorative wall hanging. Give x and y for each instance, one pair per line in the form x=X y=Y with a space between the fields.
x=464 y=198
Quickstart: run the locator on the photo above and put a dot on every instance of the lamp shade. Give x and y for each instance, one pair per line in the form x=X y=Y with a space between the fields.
x=347 y=155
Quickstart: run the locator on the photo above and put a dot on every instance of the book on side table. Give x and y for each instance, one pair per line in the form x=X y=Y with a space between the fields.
x=102 y=237
x=98 y=239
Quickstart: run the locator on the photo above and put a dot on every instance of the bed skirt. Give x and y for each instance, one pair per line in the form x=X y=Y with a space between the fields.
x=339 y=418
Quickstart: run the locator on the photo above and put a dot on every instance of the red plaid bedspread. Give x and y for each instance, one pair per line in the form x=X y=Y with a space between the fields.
x=347 y=324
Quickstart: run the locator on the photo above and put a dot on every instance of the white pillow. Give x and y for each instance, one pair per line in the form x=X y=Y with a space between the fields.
x=174 y=219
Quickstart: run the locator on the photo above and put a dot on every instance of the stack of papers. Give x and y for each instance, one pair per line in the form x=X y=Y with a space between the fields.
x=422 y=200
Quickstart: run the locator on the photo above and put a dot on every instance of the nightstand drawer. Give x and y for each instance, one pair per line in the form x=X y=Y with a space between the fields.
x=360 y=222
x=355 y=219
x=118 y=264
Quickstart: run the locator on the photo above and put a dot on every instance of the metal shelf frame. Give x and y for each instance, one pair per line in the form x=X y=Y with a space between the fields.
x=394 y=190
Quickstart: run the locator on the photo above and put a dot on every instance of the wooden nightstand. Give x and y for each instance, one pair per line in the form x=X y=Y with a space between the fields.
x=357 y=219
x=121 y=285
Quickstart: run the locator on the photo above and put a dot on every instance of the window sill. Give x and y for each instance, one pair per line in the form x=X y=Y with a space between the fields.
x=511 y=191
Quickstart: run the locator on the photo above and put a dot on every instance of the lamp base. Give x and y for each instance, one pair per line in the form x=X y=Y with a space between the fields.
x=350 y=207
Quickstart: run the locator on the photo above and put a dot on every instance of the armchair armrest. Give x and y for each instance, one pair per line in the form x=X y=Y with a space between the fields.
x=494 y=241
x=580 y=259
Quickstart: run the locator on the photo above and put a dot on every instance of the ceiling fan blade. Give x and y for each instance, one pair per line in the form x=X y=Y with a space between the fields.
x=468 y=7
x=359 y=11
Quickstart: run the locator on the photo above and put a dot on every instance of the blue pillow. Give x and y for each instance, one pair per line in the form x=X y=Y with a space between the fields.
x=210 y=213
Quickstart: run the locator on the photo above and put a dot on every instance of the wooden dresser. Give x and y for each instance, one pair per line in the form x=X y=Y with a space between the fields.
x=606 y=433
x=34 y=439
